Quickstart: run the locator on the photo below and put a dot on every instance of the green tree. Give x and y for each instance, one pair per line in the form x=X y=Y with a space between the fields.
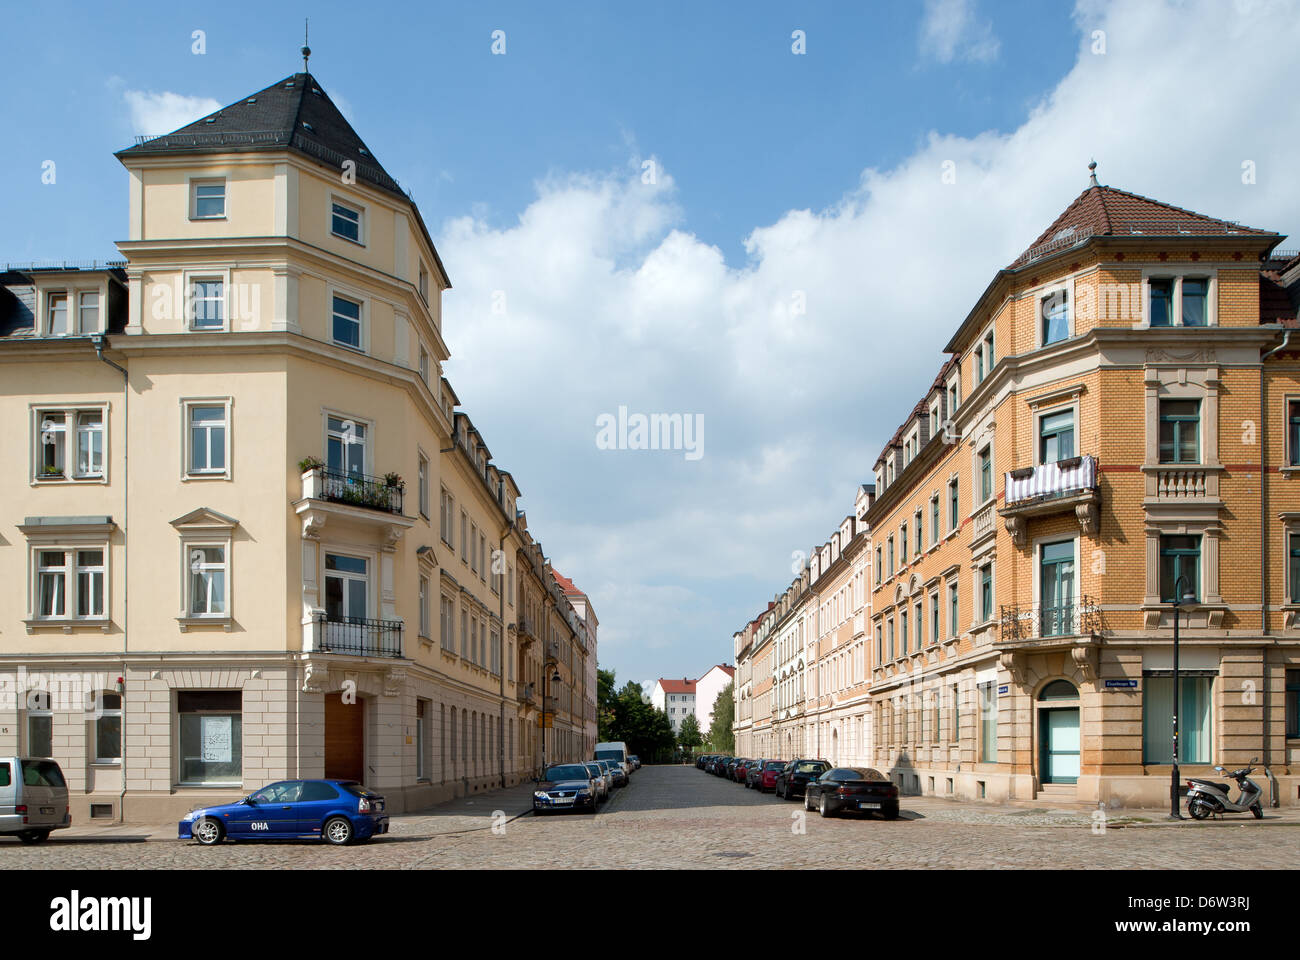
x=689 y=736
x=605 y=697
x=721 y=737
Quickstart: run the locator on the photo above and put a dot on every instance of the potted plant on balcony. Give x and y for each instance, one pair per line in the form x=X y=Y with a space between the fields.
x=51 y=472
x=394 y=480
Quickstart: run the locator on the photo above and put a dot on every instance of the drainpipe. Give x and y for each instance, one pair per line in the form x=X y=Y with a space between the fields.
x=501 y=605
x=1274 y=800
x=99 y=341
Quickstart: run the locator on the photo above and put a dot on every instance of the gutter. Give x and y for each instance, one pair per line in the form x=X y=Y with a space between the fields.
x=1263 y=540
x=99 y=341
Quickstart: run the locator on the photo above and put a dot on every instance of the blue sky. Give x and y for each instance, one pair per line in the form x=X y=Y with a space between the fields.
x=782 y=179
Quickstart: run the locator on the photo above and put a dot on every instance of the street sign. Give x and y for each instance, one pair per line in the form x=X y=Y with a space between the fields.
x=546 y=720
x=1121 y=684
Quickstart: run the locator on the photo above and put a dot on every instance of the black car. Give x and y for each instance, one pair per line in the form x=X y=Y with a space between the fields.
x=701 y=760
x=852 y=789
x=791 y=781
x=724 y=768
x=567 y=786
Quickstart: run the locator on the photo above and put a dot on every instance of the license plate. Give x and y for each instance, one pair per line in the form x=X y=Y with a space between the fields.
x=868 y=806
x=563 y=800
x=48 y=811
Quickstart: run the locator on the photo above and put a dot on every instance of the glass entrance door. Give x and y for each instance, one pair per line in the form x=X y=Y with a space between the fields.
x=1059 y=730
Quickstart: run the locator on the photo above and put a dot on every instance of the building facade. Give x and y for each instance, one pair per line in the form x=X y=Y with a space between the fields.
x=1116 y=427
x=222 y=519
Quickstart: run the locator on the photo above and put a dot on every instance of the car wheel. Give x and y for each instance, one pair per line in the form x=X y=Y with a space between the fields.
x=338 y=831
x=1258 y=811
x=34 y=836
x=208 y=832
x=822 y=808
x=807 y=802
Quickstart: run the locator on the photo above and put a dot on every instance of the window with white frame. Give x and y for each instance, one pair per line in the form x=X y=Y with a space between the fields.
x=345 y=445
x=424 y=364
x=207 y=580
x=108 y=727
x=424 y=606
x=88 y=312
x=69 y=583
x=345 y=221
x=40 y=724
x=424 y=284
x=207 y=303
x=208 y=199
x=1180 y=300
x=346 y=322
x=207 y=430
x=1054 y=313
x=69 y=432
x=56 y=314
x=422 y=473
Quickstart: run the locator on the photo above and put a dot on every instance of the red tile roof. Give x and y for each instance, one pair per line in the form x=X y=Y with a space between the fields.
x=677 y=686
x=1105 y=211
x=566 y=584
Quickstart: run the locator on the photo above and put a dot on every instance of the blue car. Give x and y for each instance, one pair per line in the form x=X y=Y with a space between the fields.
x=340 y=811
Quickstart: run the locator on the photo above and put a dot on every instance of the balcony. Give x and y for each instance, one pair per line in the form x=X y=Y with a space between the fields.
x=1051 y=488
x=357 y=499
x=354 y=636
x=1081 y=618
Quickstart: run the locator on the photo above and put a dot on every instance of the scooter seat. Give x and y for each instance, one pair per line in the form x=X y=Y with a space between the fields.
x=1222 y=787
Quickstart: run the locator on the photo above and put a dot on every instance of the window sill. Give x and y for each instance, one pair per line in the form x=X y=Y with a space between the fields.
x=186 y=623
x=42 y=481
x=106 y=763
x=350 y=240
x=195 y=217
x=349 y=346
x=185 y=478
x=68 y=625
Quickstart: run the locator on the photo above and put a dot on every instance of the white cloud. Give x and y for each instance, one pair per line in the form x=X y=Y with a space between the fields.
x=153 y=114
x=611 y=299
x=950 y=31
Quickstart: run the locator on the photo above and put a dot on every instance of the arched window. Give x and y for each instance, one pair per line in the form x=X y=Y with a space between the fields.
x=1059 y=690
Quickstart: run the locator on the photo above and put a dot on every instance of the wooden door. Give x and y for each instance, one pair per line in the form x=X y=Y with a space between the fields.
x=345 y=731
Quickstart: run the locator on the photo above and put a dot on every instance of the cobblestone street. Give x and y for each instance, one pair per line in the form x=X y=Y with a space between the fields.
x=675 y=817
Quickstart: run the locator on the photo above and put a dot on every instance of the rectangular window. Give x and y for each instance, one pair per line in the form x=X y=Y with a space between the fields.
x=879 y=565
x=347 y=322
x=90 y=583
x=208 y=581
x=1193 y=719
x=424 y=284
x=108 y=728
x=90 y=444
x=422 y=473
x=934 y=520
x=207 y=431
x=1162 y=303
x=952 y=609
x=986 y=594
x=955 y=732
x=1194 y=300
x=345 y=446
x=1056 y=437
x=934 y=617
x=40 y=729
x=207 y=304
x=464 y=537
x=889 y=625
x=1055 y=309
x=421 y=738
x=1293 y=704
x=211 y=735
x=345 y=221
x=482 y=557
x=209 y=200
x=880 y=644
x=902 y=630
x=88 y=312
x=56 y=324
x=1293 y=568
x=986 y=475
x=424 y=364
x=919 y=544
x=1180 y=557
x=52 y=583
x=424 y=606
x=1180 y=429
x=890 y=545
x=954 y=516
x=988 y=352
x=53 y=425
x=918 y=618
x=988 y=706
x=902 y=541
x=1293 y=433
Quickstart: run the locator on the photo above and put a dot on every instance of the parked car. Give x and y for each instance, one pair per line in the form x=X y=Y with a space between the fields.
x=738 y=770
x=702 y=760
x=636 y=762
x=33 y=798
x=791 y=781
x=604 y=782
x=852 y=789
x=566 y=786
x=765 y=775
x=338 y=811
x=726 y=767
x=615 y=750
x=617 y=777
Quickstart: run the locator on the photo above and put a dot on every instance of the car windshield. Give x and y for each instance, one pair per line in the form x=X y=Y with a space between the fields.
x=616 y=755
x=568 y=771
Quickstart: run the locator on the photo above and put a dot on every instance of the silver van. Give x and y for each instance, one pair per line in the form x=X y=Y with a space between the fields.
x=33 y=798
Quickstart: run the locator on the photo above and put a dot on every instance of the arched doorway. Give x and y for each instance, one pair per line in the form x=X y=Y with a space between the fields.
x=1058 y=733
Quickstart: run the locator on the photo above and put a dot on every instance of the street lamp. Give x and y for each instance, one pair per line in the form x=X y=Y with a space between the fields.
x=553 y=665
x=1175 y=788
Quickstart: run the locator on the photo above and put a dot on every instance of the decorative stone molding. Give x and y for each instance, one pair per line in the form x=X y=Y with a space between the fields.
x=1085 y=660
x=1088 y=515
x=313 y=525
x=315 y=678
x=1016 y=526
x=1014 y=665
x=1203 y=354
x=394 y=677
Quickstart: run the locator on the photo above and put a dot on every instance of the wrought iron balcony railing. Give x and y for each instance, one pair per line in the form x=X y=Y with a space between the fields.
x=353 y=489
x=1080 y=618
x=358 y=636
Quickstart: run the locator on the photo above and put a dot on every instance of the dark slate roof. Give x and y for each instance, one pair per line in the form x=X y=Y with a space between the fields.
x=296 y=113
x=1105 y=211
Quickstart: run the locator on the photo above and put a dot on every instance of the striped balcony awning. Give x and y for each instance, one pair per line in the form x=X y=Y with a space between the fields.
x=1052 y=480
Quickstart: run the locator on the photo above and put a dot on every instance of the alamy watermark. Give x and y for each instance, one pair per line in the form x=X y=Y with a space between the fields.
x=654 y=431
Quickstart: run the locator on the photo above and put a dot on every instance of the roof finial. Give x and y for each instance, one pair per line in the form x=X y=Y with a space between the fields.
x=306 y=50
x=1092 y=170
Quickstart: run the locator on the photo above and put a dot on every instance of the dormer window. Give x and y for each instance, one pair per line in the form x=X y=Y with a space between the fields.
x=88 y=312
x=208 y=201
x=56 y=315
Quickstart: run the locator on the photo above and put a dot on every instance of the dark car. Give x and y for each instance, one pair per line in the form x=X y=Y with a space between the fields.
x=724 y=768
x=701 y=760
x=338 y=811
x=762 y=776
x=617 y=775
x=791 y=781
x=635 y=761
x=852 y=789
x=567 y=786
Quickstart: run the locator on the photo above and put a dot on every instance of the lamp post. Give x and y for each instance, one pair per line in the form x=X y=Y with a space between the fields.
x=547 y=667
x=1175 y=781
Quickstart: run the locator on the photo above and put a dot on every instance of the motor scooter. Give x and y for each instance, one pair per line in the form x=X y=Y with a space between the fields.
x=1207 y=798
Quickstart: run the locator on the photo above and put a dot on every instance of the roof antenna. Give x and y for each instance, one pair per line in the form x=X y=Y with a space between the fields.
x=1092 y=169
x=306 y=50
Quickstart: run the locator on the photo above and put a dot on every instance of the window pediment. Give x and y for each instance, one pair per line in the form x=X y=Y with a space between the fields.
x=205 y=520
